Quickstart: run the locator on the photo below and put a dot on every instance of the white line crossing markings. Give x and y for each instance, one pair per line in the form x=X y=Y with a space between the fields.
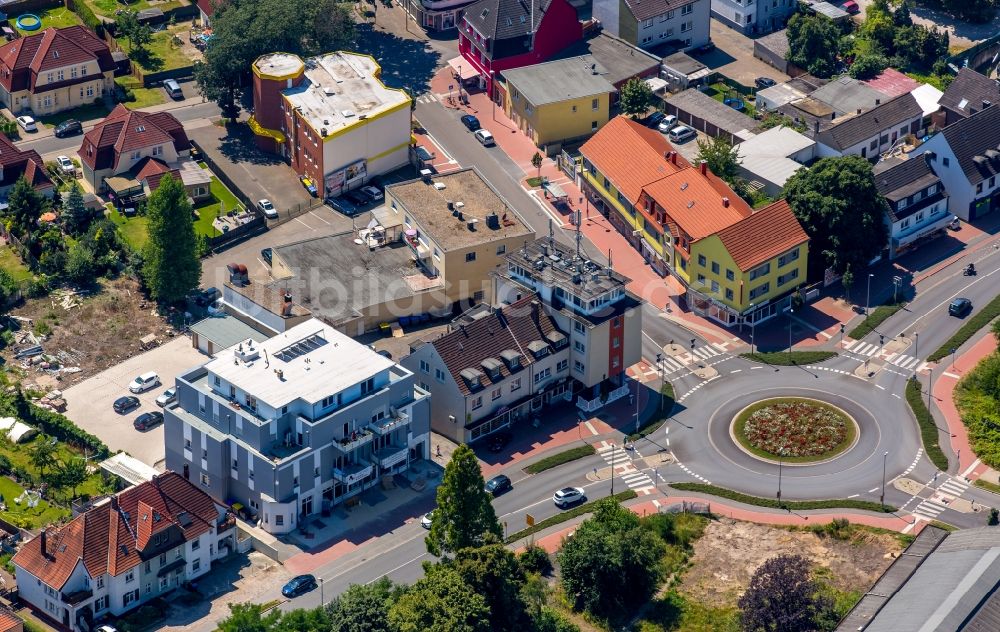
x=953 y=487
x=928 y=510
x=621 y=461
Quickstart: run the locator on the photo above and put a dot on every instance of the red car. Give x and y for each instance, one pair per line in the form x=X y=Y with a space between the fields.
x=851 y=7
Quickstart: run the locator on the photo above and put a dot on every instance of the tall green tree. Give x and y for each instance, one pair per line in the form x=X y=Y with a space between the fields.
x=43 y=455
x=72 y=474
x=248 y=617
x=363 y=607
x=303 y=620
x=138 y=34
x=494 y=572
x=440 y=602
x=841 y=210
x=783 y=597
x=813 y=43
x=722 y=158
x=464 y=517
x=80 y=264
x=635 y=97
x=171 y=268
x=25 y=206
x=536 y=162
x=612 y=564
x=76 y=215
x=301 y=27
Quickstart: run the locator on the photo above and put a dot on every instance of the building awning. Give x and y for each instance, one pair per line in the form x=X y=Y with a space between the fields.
x=554 y=190
x=463 y=68
x=122 y=185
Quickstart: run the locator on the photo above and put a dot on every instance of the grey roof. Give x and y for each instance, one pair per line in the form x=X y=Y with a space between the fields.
x=776 y=42
x=892 y=579
x=645 y=9
x=971 y=138
x=683 y=63
x=226 y=331
x=505 y=19
x=336 y=278
x=715 y=112
x=560 y=80
x=846 y=95
x=847 y=132
x=968 y=90
x=898 y=178
x=827 y=9
x=950 y=588
x=621 y=60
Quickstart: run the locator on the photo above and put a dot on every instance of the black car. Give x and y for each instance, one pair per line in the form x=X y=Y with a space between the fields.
x=764 y=82
x=145 y=421
x=298 y=585
x=208 y=297
x=124 y=404
x=655 y=118
x=471 y=122
x=357 y=198
x=959 y=307
x=265 y=254
x=498 y=441
x=69 y=127
x=498 y=485
x=342 y=206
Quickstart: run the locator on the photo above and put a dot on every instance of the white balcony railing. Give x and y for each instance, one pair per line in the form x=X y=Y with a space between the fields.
x=388 y=424
x=590 y=405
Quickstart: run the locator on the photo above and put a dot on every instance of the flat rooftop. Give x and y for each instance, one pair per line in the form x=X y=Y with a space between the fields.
x=338 y=90
x=620 y=60
x=337 y=278
x=846 y=95
x=426 y=201
x=560 y=80
x=309 y=362
x=557 y=265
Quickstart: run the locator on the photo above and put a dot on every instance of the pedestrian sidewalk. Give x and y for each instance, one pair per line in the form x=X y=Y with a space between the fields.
x=943 y=392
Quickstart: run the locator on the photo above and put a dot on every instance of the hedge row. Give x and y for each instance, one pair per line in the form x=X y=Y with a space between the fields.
x=58 y=426
x=87 y=16
x=555 y=460
x=757 y=501
x=793 y=358
x=567 y=515
x=976 y=322
x=928 y=429
x=874 y=319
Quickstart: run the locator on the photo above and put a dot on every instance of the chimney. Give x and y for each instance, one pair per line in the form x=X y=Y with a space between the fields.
x=816 y=126
x=725 y=202
x=858 y=111
x=286 y=304
x=44 y=541
x=673 y=157
x=704 y=167
x=987 y=103
x=535 y=305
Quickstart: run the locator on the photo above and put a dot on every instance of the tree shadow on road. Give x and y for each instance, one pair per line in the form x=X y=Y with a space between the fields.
x=405 y=63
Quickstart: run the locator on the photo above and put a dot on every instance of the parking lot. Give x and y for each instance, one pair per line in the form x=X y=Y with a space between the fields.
x=733 y=57
x=89 y=403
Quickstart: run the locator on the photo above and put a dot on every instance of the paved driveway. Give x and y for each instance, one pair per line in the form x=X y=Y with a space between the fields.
x=733 y=57
x=89 y=403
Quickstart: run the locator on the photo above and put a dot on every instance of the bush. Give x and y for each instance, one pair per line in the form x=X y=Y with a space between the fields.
x=54 y=424
x=560 y=518
x=560 y=458
x=757 y=501
x=994 y=517
x=793 y=358
x=867 y=66
x=976 y=322
x=535 y=559
x=88 y=18
x=928 y=429
x=5 y=465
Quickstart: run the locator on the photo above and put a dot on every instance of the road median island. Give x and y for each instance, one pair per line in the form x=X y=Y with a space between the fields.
x=784 y=358
x=928 y=429
x=877 y=316
x=565 y=516
x=560 y=458
x=988 y=486
x=971 y=327
x=772 y=503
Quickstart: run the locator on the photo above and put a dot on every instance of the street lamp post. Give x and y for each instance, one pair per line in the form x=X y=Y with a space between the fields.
x=493 y=98
x=790 y=312
x=781 y=453
x=868 y=294
x=753 y=327
x=953 y=350
x=916 y=350
x=881 y=499
x=612 y=469
x=659 y=366
x=321 y=600
x=637 y=406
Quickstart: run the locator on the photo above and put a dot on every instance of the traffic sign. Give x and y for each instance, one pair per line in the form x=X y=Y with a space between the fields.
x=529 y=520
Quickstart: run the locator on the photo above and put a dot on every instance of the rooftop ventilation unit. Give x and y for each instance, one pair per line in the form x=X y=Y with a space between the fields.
x=347 y=113
x=328 y=91
x=440 y=186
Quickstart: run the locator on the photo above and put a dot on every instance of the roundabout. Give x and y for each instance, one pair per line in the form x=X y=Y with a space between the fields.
x=795 y=430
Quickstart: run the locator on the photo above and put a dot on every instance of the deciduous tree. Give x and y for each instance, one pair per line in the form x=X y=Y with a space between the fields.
x=464 y=517
x=25 y=206
x=494 y=572
x=841 y=210
x=171 y=268
x=722 y=158
x=813 y=43
x=782 y=597
x=363 y=607
x=248 y=617
x=635 y=97
x=440 y=602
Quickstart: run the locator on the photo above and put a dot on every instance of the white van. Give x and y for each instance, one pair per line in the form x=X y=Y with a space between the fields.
x=173 y=89
x=144 y=382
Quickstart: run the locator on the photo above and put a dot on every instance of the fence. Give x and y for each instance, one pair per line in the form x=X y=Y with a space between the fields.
x=149 y=79
x=687 y=507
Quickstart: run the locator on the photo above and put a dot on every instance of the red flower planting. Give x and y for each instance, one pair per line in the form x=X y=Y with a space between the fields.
x=795 y=428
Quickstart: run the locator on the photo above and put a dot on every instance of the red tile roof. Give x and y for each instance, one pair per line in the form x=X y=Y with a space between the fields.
x=125 y=130
x=208 y=6
x=108 y=538
x=22 y=60
x=514 y=327
x=630 y=155
x=764 y=235
x=893 y=83
x=9 y=621
x=15 y=162
x=697 y=203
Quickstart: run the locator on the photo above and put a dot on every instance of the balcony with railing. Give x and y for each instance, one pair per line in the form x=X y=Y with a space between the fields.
x=352 y=473
x=355 y=440
x=225 y=522
x=386 y=425
x=590 y=405
x=390 y=456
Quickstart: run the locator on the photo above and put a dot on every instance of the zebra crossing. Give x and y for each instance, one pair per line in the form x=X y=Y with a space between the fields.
x=621 y=463
x=428 y=97
x=930 y=508
x=872 y=350
x=672 y=364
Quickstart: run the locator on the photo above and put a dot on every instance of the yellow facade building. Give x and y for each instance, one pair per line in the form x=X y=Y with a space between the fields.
x=558 y=101
x=738 y=265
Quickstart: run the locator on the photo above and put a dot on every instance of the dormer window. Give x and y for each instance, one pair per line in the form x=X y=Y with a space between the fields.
x=538 y=349
x=557 y=339
x=492 y=368
x=512 y=359
x=473 y=378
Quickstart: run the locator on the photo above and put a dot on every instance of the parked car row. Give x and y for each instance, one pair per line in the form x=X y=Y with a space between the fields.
x=669 y=125
x=353 y=202
x=141 y=384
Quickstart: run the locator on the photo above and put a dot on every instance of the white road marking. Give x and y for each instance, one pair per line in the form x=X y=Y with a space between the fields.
x=952 y=375
x=969 y=469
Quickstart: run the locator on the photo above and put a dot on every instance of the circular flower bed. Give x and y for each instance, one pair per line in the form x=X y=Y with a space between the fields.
x=795 y=429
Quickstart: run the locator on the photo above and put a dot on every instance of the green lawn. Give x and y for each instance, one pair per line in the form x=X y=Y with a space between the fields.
x=133 y=229
x=784 y=358
x=59 y=17
x=82 y=113
x=144 y=97
x=222 y=200
x=10 y=262
x=161 y=53
x=719 y=92
x=559 y=458
x=108 y=7
x=42 y=514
